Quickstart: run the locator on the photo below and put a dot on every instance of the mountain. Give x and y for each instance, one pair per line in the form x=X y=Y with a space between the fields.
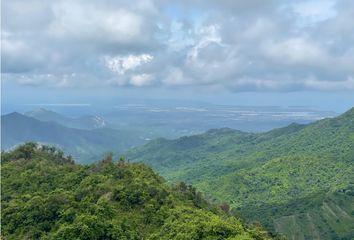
x=46 y=196
x=84 y=145
x=83 y=122
x=296 y=174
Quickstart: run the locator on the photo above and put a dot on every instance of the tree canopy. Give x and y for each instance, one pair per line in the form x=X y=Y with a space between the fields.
x=45 y=195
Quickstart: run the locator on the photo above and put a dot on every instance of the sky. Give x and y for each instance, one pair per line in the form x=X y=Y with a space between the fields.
x=255 y=52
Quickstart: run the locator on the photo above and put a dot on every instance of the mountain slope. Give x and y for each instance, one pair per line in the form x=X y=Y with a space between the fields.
x=83 y=122
x=272 y=168
x=84 y=145
x=324 y=215
x=46 y=196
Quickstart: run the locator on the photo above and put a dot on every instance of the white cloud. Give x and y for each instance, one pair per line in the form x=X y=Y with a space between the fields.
x=121 y=64
x=243 y=45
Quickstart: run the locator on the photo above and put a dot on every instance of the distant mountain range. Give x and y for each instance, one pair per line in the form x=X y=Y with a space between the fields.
x=83 y=122
x=85 y=145
x=296 y=180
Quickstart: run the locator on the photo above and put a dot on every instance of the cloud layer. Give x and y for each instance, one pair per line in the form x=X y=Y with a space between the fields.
x=236 y=45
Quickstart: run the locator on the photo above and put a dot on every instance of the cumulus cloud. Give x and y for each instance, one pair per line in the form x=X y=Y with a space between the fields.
x=238 y=45
x=121 y=64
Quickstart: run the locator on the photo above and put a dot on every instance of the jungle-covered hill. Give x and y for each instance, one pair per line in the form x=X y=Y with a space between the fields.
x=45 y=195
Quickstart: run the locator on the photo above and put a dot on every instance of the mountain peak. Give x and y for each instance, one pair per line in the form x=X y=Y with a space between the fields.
x=14 y=114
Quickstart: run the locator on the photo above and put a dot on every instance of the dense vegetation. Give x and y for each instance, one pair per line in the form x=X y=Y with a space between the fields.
x=46 y=196
x=324 y=215
x=272 y=177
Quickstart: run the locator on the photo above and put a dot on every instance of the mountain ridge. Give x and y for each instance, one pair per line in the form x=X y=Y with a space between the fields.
x=248 y=170
x=82 y=122
x=85 y=145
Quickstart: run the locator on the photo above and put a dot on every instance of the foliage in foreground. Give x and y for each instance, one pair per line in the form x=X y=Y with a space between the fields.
x=46 y=196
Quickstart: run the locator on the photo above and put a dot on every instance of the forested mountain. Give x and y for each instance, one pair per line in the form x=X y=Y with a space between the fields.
x=84 y=145
x=300 y=174
x=82 y=122
x=46 y=196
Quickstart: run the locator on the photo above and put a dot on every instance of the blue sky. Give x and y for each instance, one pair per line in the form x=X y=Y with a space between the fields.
x=229 y=52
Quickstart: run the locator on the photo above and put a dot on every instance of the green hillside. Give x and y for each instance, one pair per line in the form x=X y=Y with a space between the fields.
x=275 y=169
x=46 y=196
x=325 y=215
